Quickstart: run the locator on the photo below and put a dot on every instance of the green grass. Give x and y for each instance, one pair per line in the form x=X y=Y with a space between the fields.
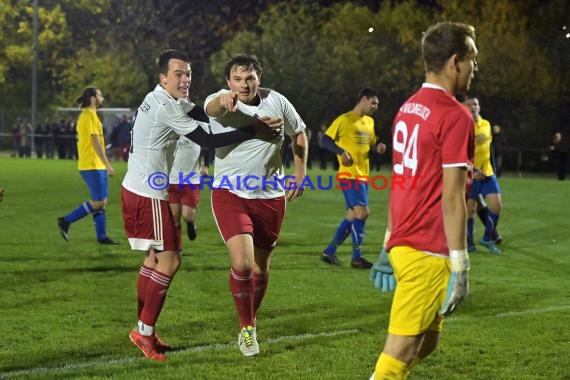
x=66 y=308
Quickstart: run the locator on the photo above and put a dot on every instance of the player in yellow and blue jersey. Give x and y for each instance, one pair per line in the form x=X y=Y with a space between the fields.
x=93 y=166
x=485 y=182
x=351 y=136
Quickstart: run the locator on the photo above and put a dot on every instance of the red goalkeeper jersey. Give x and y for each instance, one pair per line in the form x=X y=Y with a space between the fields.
x=431 y=131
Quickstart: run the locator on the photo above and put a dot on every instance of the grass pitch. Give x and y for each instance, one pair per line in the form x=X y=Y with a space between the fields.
x=66 y=308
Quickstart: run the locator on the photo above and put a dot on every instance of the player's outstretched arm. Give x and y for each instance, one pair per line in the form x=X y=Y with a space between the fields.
x=208 y=140
x=262 y=128
x=222 y=104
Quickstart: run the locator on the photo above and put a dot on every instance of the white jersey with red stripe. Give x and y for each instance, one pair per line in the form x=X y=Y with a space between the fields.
x=159 y=122
x=257 y=160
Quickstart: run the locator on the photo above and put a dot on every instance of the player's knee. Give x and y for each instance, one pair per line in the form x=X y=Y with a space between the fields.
x=496 y=206
x=169 y=262
x=98 y=205
x=428 y=345
x=471 y=207
x=242 y=263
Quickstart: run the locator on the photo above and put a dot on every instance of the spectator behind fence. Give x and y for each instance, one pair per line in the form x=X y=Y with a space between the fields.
x=59 y=133
x=323 y=152
x=121 y=139
x=16 y=137
x=39 y=140
x=559 y=149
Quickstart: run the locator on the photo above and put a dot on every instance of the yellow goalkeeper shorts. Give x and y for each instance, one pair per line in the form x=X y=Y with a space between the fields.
x=421 y=290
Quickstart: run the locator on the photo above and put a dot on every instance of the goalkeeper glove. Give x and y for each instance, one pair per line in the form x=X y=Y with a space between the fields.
x=458 y=286
x=382 y=273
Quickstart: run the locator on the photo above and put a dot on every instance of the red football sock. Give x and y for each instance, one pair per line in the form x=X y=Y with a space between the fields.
x=154 y=299
x=241 y=285
x=261 y=281
x=144 y=275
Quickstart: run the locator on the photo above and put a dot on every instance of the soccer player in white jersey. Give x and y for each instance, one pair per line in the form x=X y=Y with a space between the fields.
x=187 y=169
x=148 y=221
x=249 y=213
x=184 y=188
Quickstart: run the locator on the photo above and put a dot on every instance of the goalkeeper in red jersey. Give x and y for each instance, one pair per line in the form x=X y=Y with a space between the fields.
x=432 y=138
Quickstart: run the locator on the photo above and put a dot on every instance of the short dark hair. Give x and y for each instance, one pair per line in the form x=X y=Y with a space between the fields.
x=442 y=40
x=368 y=93
x=243 y=60
x=166 y=56
x=85 y=99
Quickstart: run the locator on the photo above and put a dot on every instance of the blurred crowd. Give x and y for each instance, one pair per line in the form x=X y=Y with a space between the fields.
x=49 y=139
x=57 y=139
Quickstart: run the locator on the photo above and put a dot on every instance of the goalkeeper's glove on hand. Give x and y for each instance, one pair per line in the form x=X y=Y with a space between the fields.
x=458 y=286
x=382 y=273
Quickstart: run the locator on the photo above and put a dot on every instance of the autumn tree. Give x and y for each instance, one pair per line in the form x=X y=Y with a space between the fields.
x=16 y=54
x=321 y=57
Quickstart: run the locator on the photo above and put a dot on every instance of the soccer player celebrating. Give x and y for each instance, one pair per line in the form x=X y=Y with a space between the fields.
x=148 y=220
x=184 y=197
x=93 y=166
x=351 y=137
x=249 y=217
x=433 y=140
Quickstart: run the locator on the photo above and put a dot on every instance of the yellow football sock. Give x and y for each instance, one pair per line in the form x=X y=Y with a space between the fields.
x=390 y=368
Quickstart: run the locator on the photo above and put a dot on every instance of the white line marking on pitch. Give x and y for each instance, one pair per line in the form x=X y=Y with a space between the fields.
x=218 y=347
x=461 y=318
x=531 y=311
x=205 y=348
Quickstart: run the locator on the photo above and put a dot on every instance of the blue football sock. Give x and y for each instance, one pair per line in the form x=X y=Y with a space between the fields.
x=100 y=221
x=469 y=231
x=342 y=232
x=492 y=221
x=357 y=232
x=81 y=211
x=483 y=213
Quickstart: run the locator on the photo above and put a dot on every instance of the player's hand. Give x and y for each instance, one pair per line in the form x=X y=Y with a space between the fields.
x=478 y=175
x=229 y=101
x=110 y=171
x=203 y=171
x=382 y=273
x=267 y=127
x=346 y=159
x=293 y=189
x=458 y=286
x=381 y=148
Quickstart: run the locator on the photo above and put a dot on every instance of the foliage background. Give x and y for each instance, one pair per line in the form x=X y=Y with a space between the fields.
x=318 y=53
